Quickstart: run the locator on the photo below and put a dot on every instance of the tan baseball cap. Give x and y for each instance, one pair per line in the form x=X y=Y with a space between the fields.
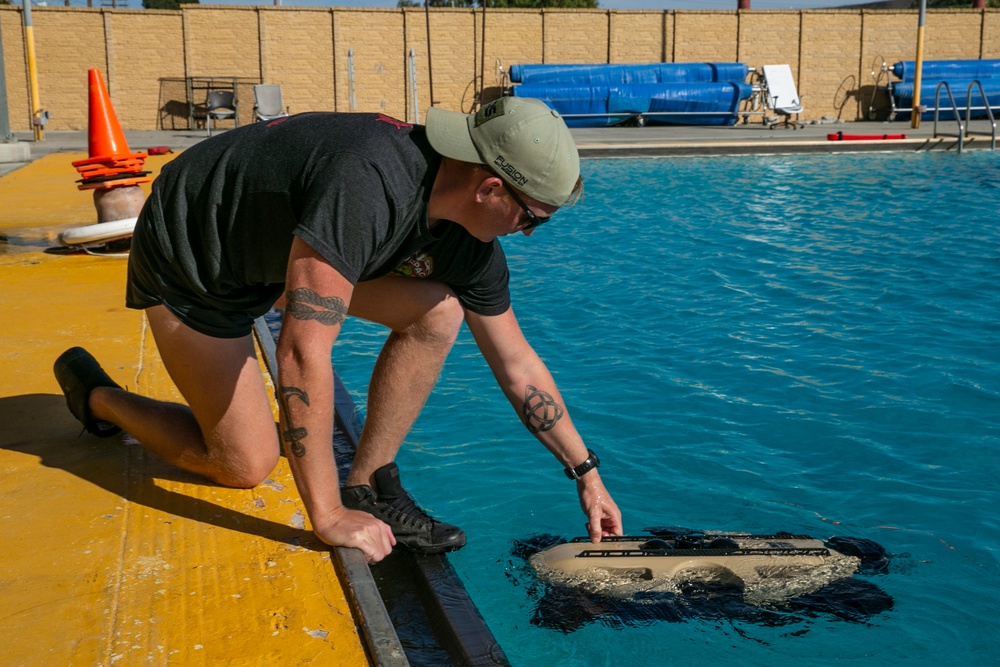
x=521 y=139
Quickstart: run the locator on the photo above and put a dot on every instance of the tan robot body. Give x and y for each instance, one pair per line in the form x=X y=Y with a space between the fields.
x=765 y=567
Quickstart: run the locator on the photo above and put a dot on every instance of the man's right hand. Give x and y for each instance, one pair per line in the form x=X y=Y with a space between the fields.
x=360 y=530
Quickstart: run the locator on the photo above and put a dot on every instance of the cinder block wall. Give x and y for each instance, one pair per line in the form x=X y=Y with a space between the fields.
x=296 y=51
x=701 y=36
x=510 y=36
x=990 y=42
x=638 y=37
x=456 y=49
x=575 y=36
x=137 y=78
x=832 y=42
x=359 y=59
x=371 y=42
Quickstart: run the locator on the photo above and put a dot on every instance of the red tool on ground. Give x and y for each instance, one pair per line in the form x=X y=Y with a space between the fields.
x=840 y=136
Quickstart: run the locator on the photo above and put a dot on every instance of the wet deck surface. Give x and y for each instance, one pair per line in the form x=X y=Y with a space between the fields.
x=109 y=555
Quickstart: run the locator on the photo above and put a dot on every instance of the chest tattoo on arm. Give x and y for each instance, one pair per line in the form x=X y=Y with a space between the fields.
x=293 y=436
x=303 y=303
x=540 y=410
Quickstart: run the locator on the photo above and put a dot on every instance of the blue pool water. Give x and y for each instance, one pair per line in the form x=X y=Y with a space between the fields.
x=798 y=343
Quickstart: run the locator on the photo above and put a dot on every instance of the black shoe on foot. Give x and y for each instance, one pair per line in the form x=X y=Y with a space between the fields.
x=78 y=373
x=414 y=528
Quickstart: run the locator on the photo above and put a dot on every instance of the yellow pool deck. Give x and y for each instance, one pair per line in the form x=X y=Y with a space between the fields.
x=109 y=556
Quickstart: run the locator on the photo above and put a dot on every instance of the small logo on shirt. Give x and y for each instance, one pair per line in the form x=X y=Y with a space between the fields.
x=392 y=121
x=417 y=265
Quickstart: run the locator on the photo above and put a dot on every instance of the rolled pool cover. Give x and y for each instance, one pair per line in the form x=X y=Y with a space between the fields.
x=903 y=93
x=694 y=104
x=571 y=101
x=614 y=74
x=948 y=70
x=683 y=103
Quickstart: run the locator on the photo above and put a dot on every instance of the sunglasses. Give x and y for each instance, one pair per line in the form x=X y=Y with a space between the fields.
x=533 y=219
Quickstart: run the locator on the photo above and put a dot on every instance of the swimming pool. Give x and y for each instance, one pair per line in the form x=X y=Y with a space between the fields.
x=798 y=343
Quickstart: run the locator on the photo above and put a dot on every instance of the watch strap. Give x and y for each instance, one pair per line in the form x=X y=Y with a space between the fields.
x=585 y=467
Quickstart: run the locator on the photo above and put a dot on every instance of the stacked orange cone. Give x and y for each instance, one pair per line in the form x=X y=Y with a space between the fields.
x=110 y=163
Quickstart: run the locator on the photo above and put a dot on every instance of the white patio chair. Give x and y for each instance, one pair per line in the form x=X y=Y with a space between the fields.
x=782 y=96
x=267 y=102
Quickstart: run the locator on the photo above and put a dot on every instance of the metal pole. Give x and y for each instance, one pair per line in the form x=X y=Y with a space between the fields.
x=482 y=59
x=918 y=67
x=29 y=43
x=430 y=67
x=352 y=103
x=413 y=86
x=5 y=136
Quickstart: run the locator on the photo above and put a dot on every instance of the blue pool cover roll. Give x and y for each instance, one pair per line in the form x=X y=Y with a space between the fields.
x=948 y=70
x=959 y=90
x=685 y=103
x=958 y=74
x=680 y=103
x=571 y=101
x=613 y=74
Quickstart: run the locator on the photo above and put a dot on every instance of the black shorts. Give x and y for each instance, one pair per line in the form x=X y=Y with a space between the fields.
x=154 y=279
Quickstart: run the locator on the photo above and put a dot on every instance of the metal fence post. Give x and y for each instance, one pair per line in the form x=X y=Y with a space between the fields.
x=5 y=135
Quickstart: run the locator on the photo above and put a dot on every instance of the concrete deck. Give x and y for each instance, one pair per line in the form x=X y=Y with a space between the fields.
x=754 y=138
x=109 y=555
x=652 y=140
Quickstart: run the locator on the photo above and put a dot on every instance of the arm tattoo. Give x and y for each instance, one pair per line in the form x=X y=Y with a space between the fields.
x=540 y=410
x=293 y=435
x=305 y=304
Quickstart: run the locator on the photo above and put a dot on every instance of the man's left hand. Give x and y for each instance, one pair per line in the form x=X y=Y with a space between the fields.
x=602 y=512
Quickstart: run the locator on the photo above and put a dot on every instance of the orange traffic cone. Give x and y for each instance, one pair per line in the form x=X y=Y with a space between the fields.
x=110 y=164
x=105 y=138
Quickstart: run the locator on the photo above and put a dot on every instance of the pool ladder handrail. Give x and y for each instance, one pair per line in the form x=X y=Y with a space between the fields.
x=963 y=128
x=992 y=134
x=954 y=106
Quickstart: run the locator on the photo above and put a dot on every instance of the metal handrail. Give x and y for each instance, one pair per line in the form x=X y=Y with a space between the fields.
x=989 y=114
x=954 y=106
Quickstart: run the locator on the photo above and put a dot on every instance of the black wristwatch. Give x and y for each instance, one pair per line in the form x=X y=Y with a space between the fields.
x=585 y=467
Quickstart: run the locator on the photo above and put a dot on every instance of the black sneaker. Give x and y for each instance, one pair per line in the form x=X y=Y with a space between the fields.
x=414 y=528
x=78 y=374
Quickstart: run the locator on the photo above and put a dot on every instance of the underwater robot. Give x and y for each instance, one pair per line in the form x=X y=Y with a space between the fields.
x=765 y=567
